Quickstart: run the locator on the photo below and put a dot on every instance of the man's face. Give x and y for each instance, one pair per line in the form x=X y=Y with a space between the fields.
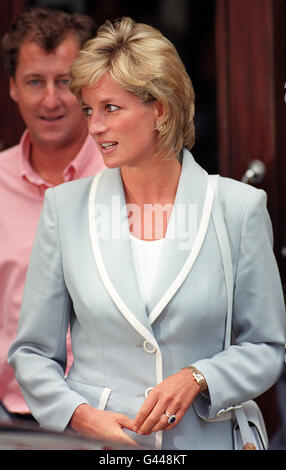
x=40 y=87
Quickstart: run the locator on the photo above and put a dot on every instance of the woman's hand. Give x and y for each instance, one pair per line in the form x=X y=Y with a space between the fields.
x=104 y=426
x=175 y=395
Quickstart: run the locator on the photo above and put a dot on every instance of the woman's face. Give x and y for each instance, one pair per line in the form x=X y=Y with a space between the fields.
x=122 y=126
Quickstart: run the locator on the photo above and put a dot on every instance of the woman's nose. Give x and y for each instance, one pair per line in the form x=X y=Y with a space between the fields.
x=96 y=124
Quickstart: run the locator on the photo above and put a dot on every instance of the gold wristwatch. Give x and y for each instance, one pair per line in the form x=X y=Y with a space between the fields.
x=198 y=376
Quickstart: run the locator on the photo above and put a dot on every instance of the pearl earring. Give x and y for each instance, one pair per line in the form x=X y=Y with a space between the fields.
x=160 y=128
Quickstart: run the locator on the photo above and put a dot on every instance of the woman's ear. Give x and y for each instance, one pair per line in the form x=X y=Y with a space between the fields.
x=159 y=108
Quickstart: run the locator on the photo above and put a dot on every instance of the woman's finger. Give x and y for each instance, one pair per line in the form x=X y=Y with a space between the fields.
x=158 y=420
x=165 y=424
x=126 y=422
x=150 y=421
x=124 y=438
x=145 y=411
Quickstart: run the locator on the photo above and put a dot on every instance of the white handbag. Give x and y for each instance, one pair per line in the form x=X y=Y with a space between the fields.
x=249 y=431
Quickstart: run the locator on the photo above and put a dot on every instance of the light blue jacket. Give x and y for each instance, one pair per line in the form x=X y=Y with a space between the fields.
x=82 y=273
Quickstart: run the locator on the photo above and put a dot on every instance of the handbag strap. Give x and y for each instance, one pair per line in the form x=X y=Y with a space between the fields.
x=223 y=241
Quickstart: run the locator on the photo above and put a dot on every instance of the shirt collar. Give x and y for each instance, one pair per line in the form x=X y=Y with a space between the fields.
x=27 y=171
x=75 y=169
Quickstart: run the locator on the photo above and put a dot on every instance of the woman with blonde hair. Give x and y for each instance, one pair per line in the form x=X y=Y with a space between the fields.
x=133 y=261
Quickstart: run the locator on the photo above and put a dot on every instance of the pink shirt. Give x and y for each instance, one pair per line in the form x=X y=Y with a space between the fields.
x=21 y=197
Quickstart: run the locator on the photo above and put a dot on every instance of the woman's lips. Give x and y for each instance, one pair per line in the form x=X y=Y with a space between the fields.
x=107 y=147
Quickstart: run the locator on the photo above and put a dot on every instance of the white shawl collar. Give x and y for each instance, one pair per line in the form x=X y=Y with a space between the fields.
x=112 y=250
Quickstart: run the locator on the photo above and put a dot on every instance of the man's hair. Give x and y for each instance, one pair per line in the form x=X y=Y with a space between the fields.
x=145 y=63
x=47 y=28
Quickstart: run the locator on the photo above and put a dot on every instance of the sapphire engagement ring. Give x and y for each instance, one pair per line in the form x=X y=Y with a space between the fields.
x=171 y=418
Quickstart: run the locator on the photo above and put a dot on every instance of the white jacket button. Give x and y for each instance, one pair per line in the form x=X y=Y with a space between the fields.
x=148 y=391
x=149 y=347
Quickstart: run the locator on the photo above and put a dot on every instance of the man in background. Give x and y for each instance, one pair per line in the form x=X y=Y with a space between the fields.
x=55 y=148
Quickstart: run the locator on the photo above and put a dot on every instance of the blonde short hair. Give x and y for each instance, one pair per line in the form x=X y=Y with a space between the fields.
x=141 y=60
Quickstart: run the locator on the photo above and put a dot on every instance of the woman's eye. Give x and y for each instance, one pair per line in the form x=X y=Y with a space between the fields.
x=112 y=107
x=87 y=111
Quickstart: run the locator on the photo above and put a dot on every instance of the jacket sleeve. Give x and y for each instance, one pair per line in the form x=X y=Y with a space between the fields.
x=38 y=354
x=254 y=360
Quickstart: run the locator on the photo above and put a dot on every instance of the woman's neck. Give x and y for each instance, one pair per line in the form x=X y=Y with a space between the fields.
x=152 y=184
x=150 y=193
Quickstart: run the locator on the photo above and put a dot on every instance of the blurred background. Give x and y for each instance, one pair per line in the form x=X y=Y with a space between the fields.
x=234 y=51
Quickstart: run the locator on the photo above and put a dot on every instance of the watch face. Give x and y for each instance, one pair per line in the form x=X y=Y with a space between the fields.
x=200 y=380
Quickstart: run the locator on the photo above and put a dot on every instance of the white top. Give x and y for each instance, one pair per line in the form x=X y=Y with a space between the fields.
x=147 y=256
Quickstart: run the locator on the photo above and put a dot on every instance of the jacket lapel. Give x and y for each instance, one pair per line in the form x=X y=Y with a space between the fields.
x=186 y=232
x=110 y=238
